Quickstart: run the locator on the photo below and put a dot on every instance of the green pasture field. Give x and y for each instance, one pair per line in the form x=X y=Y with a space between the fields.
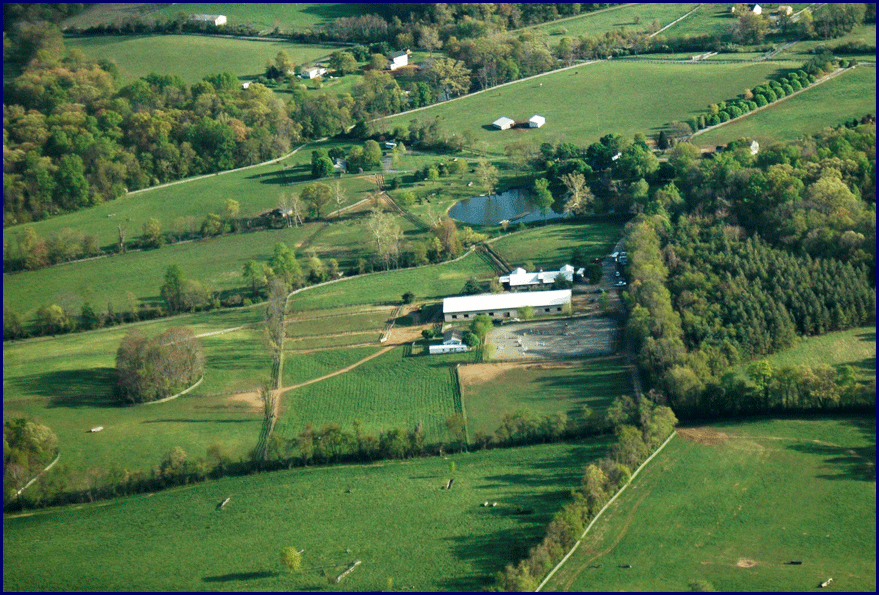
x=551 y=247
x=218 y=263
x=286 y=16
x=852 y=94
x=387 y=392
x=67 y=383
x=714 y=19
x=429 y=282
x=392 y=516
x=732 y=514
x=332 y=342
x=608 y=20
x=545 y=391
x=620 y=97
x=855 y=347
x=192 y=57
x=301 y=367
x=256 y=189
x=339 y=324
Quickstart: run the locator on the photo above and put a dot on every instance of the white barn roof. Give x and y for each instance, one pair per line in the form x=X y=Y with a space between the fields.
x=520 y=276
x=506 y=301
x=536 y=121
x=503 y=123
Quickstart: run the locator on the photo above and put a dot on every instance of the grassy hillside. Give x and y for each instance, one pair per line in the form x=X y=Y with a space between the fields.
x=728 y=511
x=849 y=95
x=611 y=97
x=392 y=516
x=191 y=57
x=556 y=243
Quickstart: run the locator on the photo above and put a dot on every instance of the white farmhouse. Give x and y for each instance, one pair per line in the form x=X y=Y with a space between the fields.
x=757 y=9
x=453 y=342
x=503 y=123
x=314 y=72
x=536 y=121
x=212 y=19
x=505 y=305
x=398 y=59
x=245 y=84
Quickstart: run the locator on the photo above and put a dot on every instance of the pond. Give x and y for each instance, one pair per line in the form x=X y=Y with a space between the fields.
x=513 y=205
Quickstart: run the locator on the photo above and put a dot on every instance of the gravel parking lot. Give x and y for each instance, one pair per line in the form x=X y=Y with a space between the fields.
x=552 y=339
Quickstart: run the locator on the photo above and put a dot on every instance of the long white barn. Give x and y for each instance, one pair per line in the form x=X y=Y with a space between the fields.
x=505 y=305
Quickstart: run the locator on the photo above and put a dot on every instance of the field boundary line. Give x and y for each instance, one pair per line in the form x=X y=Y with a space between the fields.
x=698 y=6
x=175 y=396
x=597 y=516
x=38 y=475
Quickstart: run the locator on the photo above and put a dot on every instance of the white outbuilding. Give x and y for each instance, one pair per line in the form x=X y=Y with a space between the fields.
x=521 y=278
x=314 y=72
x=503 y=123
x=536 y=121
x=505 y=305
x=213 y=19
x=453 y=342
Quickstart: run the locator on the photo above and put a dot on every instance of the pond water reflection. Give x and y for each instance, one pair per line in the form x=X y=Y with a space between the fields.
x=514 y=205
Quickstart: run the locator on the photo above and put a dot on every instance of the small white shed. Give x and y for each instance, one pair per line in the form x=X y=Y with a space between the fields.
x=503 y=123
x=314 y=72
x=453 y=342
x=536 y=121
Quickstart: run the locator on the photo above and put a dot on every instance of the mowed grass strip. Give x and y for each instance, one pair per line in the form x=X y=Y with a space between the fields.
x=852 y=94
x=393 y=516
x=551 y=247
x=191 y=57
x=389 y=391
x=347 y=340
x=730 y=510
x=617 y=97
x=67 y=384
x=491 y=390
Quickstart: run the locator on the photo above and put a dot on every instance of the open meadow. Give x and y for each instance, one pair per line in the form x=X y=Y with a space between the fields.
x=67 y=384
x=617 y=97
x=729 y=506
x=264 y=16
x=855 y=348
x=192 y=57
x=393 y=516
x=631 y=17
x=850 y=95
x=490 y=390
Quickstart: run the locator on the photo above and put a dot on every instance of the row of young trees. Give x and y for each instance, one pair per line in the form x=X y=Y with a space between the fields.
x=641 y=427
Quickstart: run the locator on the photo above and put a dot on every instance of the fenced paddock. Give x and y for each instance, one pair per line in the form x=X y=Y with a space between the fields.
x=552 y=339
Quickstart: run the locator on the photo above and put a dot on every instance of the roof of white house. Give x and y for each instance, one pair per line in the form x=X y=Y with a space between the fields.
x=503 y=121
x=521 y=277
x=506 y=301
x=452 y=337
x=399 y=54
x=537 y=119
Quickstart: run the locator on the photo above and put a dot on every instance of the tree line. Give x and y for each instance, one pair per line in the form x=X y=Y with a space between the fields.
x=640 y=427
